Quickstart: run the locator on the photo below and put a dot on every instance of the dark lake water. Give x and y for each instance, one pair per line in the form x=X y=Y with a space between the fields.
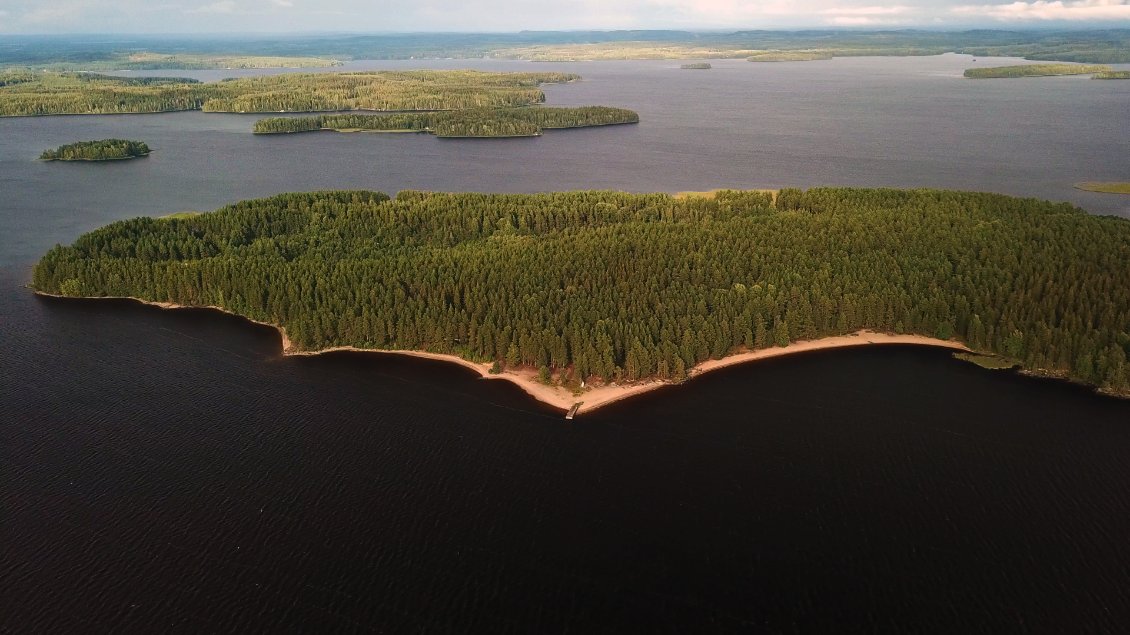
x=170 y=472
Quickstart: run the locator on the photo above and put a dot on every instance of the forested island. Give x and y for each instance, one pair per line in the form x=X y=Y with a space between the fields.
x=696 y=66
x=479 y=122
x=102 y=150
x=587 y=288
x=1034 y=70
x=1111 y=75
x=25 y=93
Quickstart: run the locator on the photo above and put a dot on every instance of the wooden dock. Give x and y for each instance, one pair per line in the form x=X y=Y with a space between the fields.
x=573 y=411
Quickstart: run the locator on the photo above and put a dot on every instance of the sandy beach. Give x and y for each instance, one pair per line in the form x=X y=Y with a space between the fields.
x=596 y=396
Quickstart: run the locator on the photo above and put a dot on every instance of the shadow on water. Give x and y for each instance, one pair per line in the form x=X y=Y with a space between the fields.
x=177 y=464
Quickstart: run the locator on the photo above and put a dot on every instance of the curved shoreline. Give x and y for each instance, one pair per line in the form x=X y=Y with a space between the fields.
x=557 y=396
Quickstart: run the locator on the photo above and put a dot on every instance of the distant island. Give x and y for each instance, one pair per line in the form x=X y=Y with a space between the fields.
x=572 y=293
x=1111 y=75
x=791 y=56
x=103 y=150
x=1034 y=70
x=148 y=60
x=482 y=122
x=696 y=66
x=27 y=93
x=1097 y=46
x=1109 y=188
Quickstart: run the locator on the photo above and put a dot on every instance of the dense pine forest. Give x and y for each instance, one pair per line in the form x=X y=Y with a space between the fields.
x=478 y=122
x=625 y=286
x=1034 y=70
x=25 y=93
x=102 y=150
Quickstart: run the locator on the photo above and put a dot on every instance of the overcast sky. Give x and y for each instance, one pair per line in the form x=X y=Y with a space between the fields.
x=212 y=16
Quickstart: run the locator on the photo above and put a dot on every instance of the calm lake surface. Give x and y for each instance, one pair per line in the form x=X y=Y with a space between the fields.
x=168 y=471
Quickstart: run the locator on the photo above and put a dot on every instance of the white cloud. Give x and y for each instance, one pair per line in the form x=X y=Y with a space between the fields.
x=867 y=16
x=866 y=11
x=223 y=6
x=1089 y=10
x=231 y=7
x=188 y=16
x=47 y=15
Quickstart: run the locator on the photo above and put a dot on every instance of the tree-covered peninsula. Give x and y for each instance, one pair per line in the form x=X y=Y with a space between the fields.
x=24 y=93
x=479 y=122
x=1034 y=70
x=608 y=285
x=102 y=150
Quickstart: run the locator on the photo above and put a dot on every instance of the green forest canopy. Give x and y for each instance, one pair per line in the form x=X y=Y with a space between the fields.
x=625 y=286
x=40 y=93
x=478 y=122
x=101 y=150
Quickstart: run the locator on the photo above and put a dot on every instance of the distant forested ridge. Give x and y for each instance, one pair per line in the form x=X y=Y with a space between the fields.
x=1099 y=46
x=479 y=122
x=145 y=60
x=24 y=93
x=1034 y=70
x=102 y=150
x=626 y=286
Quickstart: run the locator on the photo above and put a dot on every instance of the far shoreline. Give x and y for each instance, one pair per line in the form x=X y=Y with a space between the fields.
x=558 y=396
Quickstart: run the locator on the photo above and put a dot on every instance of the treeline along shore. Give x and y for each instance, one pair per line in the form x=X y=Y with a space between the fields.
x=585 y=289
x=480 y=122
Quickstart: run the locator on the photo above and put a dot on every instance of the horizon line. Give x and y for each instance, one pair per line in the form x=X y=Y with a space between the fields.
x=934 y=28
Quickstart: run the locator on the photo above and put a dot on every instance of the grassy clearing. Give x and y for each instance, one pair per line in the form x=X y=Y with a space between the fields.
x=990 y=362
x=713 y=194
x=174 y=215
x=1115 y=187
